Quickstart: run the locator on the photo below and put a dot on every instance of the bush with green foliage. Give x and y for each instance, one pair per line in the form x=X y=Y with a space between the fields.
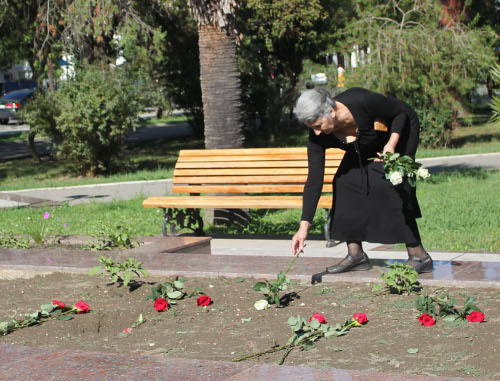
x=39 y=112
x=120 y=273
x=413 y=56
x=91 y=115
x=400 y=278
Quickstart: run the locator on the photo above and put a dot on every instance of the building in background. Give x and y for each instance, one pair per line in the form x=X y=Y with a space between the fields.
x=16 y=77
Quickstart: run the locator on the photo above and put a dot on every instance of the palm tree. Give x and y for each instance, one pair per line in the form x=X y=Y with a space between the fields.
x=219 y=75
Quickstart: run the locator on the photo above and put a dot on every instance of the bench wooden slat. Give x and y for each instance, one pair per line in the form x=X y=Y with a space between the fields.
x=236 y=202
x=274 y=158
x=244 y=179
x=247 y=171
x=249 y=151
x=254 y=164
x=244 y=188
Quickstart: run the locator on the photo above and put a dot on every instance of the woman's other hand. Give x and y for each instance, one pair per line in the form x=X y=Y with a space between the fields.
x=390 y=146
x=300 y=237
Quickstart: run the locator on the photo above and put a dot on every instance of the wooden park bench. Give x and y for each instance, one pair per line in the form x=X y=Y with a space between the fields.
x=260 y=178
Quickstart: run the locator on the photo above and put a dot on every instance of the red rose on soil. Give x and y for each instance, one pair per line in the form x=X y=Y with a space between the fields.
x=203 y=301
x=82 y=307
x=475 y=317
x=60 y=305
x=360 y=317
x=161 y=304
x=320 y=318
x=127 y=330
x=426 y=320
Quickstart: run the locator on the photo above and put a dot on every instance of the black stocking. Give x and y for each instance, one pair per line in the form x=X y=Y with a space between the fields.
x=355 y=249
x=416 y=250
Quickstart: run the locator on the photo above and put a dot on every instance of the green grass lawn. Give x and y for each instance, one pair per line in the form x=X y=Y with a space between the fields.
x=478 y=138
x=460 y=212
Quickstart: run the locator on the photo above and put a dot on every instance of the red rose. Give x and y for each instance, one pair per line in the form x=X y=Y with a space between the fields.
x=426 y=320
x=161 y=304
x=82 y=307
x=319 y=318
x=127 y=330
x=59 y=304
x=360 y=318
x=475 y=317
x=203 y=300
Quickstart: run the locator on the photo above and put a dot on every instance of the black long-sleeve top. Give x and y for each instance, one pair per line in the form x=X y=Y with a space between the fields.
x=365 y=106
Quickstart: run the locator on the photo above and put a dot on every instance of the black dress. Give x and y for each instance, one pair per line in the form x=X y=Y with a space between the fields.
x=366 y=206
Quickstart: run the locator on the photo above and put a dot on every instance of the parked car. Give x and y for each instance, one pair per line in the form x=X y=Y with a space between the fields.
x=12 y=102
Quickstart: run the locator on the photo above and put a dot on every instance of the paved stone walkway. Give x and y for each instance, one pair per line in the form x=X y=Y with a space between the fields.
x=34 y=363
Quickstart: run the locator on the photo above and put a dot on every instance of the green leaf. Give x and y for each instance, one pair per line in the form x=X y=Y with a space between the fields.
x=450 y=318
x=412 y=350
x=35 y=315
x=297 y=326
x=292 y=320
x=48 y=308
x=377 y=287
x=5 y=327
x=174 y=294
x=126 y=277
x=94 y=270
x=277 y=299
x=308 y=346
x=144 y=272
x=259 y=286
x=244 y=320
x=314 y=324
x=240 y=280
x=65 y=317
x=178 y=284
x=138 y=322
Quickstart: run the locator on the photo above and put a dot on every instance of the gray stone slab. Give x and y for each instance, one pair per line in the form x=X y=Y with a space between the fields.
x=484 y=160
x=95 y=192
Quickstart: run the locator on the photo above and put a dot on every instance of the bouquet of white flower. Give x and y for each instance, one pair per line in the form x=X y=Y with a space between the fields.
x=396 y=167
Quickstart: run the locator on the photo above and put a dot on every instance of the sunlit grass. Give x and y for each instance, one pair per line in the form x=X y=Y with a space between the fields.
x=460 y=212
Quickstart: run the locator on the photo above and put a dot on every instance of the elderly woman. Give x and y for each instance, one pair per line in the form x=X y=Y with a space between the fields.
x=366 y=206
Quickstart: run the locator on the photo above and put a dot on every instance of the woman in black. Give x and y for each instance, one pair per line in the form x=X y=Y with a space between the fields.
x=366 y=206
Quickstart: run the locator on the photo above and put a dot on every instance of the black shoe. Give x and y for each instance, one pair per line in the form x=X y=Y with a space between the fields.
x=421 y=265
x=350 y=263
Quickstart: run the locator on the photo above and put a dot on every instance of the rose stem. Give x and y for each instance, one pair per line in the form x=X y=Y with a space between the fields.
x=289 y=349
x=261 y=353
x=286 y=272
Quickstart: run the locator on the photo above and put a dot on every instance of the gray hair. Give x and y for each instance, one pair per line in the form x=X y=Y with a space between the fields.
x=313 y=104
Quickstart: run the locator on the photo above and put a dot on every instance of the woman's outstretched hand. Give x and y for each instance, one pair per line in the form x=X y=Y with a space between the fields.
x=300 y=237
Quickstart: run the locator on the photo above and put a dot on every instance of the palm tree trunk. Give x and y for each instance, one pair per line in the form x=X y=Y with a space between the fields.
x=220 y=88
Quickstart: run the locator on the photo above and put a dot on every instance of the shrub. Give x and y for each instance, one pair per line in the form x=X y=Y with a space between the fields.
x=93 y=113
x=412 y=56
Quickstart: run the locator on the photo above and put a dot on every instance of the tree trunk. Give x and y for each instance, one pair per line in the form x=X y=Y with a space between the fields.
x=220 y=88
x=31 y=145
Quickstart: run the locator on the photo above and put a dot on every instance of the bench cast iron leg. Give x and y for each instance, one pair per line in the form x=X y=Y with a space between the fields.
x=176 y=220
x=329 y=241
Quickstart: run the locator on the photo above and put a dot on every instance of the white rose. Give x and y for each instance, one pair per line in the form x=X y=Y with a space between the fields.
x=423 y=173
x=261 y=305
x=396 y=178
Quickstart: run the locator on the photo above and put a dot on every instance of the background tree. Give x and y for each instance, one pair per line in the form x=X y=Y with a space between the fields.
x=219 y=75
x=31 y=30
x=414 y=57
x=276 y=38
